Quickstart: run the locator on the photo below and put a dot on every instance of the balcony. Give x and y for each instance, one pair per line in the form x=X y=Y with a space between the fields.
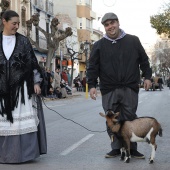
x=92 y=15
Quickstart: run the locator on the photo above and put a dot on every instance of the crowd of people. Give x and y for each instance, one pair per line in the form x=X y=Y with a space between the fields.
x=168 y=82
x=59 y=85
x=156 y=83
x=56 y=85
x=79 y=84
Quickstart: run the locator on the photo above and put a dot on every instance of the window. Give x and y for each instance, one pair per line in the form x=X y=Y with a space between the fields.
x=81 y=25
x=23 y=16
x=50 y=7
x=39 y=4
x=88 y=2
x=36 y=2
x=88 y=24
x=42 y=42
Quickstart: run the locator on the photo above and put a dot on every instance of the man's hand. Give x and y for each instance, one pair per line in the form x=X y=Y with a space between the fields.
x=93 y=93
x=147 y=84
x=37 y=89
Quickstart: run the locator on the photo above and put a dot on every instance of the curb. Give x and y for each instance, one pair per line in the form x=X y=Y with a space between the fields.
x=68 y=97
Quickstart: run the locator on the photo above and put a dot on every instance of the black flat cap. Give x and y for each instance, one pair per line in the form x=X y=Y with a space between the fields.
x=109 y=16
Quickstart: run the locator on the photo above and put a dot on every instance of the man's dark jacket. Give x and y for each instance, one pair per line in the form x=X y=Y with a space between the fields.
x=118 y=64
x=14 y=72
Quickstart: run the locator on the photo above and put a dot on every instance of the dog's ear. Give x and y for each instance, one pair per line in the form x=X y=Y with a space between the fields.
x=102 y=114
x=116 y=115
x=109 y=112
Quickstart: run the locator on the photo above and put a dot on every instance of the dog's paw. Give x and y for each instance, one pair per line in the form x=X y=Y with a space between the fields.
x=127 y=160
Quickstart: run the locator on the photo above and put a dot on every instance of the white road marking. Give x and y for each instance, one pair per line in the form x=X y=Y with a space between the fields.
x=74 y=146
x=140 y=102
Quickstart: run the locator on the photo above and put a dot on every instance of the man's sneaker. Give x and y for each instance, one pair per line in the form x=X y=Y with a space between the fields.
x=136 y=154
x=113 y=153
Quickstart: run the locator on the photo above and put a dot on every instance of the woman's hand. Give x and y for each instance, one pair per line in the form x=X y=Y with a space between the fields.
x=37 y=89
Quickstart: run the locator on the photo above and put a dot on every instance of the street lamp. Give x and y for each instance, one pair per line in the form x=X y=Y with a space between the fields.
x=86 y=55
x=47 y=20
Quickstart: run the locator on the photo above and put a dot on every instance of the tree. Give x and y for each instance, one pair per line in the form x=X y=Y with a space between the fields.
x=161 y=54
x=161 y=22
x=52 y=38
x=4 y=6
x=73 y=56
x=165 y=60
x=154 y=69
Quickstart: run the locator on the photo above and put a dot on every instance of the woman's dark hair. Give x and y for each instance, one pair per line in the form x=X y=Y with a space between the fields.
x=7 y=15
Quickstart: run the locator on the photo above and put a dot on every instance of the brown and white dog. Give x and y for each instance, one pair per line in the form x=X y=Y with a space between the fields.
x=142 y=129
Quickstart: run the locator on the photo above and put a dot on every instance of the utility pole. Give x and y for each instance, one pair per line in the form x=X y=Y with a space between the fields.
x=86 y=55
x=61 y=60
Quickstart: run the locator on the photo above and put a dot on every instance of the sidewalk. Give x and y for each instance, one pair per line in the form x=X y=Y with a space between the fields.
x=83 y=93
x=74 y=94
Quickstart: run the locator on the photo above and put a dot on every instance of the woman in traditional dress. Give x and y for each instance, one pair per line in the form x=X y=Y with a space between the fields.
x=22 y=126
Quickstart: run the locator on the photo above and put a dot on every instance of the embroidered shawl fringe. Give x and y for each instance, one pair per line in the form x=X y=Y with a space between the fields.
x=10 y=101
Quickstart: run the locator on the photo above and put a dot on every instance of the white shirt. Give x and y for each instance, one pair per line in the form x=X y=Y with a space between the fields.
x=8 y=45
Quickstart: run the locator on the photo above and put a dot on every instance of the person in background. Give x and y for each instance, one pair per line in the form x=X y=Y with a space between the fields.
x=160 y=82
x=69 y=78
x=44 y=85
x=168 y=82
x=57 y=78
x=22 y=127
x=64 y=76
x=60 y=84
x=117 y=59
x=50 y=81
x=84 y=83
x=57 y=82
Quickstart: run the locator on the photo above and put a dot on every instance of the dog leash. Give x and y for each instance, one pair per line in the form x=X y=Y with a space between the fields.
x=68 y=118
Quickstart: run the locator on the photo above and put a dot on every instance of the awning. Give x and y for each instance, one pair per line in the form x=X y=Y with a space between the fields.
x=59 y=57
x=37 y=53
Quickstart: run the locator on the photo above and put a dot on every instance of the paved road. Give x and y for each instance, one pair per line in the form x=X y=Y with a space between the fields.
x=71 y=147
